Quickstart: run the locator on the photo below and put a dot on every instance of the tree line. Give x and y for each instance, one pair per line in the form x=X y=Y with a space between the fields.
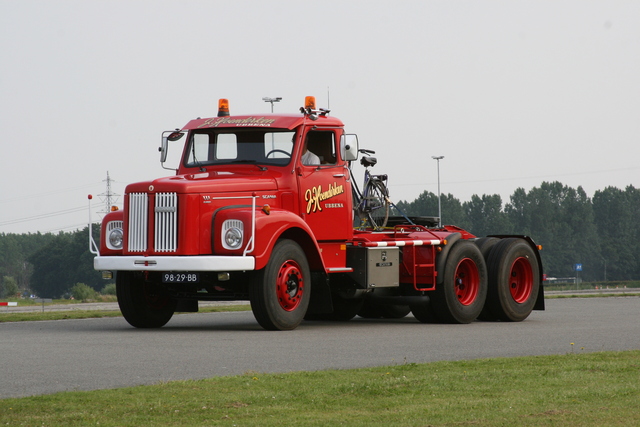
x=47 y=265
x=601 y=233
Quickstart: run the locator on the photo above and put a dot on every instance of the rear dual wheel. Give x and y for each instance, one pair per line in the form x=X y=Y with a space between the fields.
x=514 y=281
x=463 y=291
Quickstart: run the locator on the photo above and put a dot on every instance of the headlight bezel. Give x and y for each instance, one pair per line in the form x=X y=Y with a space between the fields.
x=114 y=235
x=232 y=236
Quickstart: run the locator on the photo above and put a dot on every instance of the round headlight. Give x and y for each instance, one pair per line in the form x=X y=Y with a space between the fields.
x=233 y=238
x=115 y=238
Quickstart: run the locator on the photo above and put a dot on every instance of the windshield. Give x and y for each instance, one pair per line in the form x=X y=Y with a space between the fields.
x=213 y=147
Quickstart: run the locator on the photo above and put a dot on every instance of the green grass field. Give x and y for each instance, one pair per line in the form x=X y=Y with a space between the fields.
x=575 y=389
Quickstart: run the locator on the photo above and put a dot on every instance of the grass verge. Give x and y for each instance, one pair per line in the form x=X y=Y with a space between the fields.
x=603 y=295
x=88 y=314
x=28 y=302
x=579 y=389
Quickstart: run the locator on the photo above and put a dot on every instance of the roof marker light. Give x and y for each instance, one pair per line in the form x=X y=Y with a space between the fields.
x=310 y=103
x=223 y=107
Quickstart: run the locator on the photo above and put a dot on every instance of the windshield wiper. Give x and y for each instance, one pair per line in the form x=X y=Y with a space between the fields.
x=195 y=160
x=250 y=161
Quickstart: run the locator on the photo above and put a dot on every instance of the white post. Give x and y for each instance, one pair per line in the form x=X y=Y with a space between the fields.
x=437 y=159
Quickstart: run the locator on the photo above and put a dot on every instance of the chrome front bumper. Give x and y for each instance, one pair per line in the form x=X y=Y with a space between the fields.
x=174 y=263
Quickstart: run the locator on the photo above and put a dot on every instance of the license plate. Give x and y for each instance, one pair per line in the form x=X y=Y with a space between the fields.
x=180 y=277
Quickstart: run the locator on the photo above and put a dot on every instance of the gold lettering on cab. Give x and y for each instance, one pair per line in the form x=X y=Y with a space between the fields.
x=314 y=195
x=250 y=121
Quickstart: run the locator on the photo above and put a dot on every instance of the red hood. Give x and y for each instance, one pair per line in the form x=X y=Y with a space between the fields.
x=208 y=182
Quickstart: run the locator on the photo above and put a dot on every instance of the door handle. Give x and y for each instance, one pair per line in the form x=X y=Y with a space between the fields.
x=338 y=175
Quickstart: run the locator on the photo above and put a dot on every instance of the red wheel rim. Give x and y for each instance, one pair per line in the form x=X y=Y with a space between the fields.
x=467 y=281
x=521 y=280
x=289 y=285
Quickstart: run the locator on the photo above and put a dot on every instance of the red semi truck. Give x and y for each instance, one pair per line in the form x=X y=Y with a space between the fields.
x=251 y=214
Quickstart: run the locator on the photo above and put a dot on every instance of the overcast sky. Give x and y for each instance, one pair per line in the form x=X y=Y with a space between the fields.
x=512 y=93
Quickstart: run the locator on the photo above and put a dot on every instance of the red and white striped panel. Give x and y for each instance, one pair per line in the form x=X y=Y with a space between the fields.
x=9 y=304
x=402 y=243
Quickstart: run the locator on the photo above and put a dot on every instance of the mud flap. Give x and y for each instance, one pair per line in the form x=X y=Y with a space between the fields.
x=320 y=302
x=539 y=305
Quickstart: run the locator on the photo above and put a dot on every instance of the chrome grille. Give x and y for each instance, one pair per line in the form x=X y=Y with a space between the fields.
x=166 y=222
x=112 y=225
x=165 y=232
x=138 y=214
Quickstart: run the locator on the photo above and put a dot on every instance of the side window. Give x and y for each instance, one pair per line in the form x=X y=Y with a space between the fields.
x=320 y=148
x=199 y=149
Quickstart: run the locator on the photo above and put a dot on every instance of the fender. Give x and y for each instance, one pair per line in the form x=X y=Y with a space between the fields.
x=110 y=217
x=269 y=228
x=442 y=257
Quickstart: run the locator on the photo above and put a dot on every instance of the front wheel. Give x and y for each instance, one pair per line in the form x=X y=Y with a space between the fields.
x=143 y=304
x=280 y=294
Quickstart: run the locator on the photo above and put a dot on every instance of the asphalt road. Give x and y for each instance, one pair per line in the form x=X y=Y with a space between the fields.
x=51 y=356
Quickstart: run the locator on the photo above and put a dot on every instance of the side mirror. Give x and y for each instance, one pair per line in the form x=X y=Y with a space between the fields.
x=164 y=149
x=349 y=147
x=169 y=135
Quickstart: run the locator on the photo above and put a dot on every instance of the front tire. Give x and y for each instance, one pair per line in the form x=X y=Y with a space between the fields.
x=143 y=304
x=280 y=295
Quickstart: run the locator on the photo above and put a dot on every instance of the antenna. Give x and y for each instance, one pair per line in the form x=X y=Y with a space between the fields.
x=328 y=100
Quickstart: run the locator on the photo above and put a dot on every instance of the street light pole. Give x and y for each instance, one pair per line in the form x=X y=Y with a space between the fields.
x=437 y=159
x=272 y=100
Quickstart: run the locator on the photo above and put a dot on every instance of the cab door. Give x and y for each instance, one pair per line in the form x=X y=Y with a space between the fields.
x=324 y=186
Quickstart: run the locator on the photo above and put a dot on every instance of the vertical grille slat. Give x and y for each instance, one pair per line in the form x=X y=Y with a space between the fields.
x=166 y=219
x=138 y=213
x=159 y=222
